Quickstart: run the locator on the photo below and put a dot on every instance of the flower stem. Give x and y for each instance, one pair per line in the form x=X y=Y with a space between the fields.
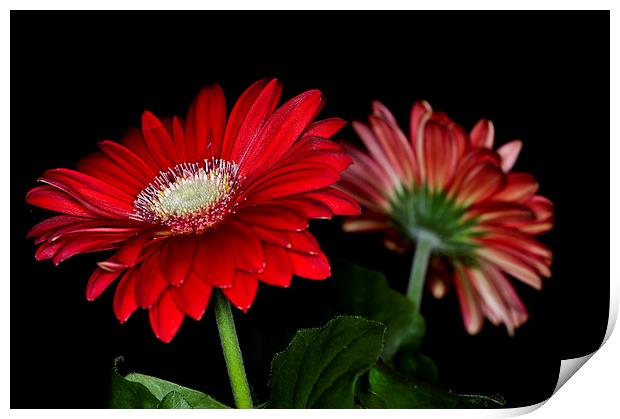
x=232 y=352
x=422 y=256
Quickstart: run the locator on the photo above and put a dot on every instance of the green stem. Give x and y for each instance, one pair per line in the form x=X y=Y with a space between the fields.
x=424 y=247
x=232 y=352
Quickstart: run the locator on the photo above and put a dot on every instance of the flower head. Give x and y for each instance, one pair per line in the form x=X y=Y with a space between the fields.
x=209 y=202
x=450 y=188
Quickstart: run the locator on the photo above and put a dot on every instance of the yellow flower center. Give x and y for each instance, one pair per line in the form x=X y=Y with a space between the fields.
x=189 y=197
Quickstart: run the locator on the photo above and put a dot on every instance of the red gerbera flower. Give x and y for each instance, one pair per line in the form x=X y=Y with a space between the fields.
x=457 y=198
x=206 y=202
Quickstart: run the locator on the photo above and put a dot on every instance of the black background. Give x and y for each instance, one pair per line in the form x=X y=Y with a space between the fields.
x=81 y=77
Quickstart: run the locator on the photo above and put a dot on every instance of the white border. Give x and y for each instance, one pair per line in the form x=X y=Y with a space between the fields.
x=312 y=5
x=593 y=393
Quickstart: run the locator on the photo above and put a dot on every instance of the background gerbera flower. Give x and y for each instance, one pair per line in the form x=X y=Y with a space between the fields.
x=212 y=201
x=470 y=216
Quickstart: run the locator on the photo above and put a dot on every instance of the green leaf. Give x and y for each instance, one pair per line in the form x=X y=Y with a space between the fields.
x=390 y=389
x=400 y=392
x=320 y=367
x=160 y=388
x=129 y=395
x=136 y=391
x=416 y=365
x=174 y=400
x=366 y=293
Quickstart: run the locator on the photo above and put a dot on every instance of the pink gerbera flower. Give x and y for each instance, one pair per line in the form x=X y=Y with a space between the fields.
x=458 y=200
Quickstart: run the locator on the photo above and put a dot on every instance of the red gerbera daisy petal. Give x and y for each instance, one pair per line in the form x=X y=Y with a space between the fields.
x=256 y=117
x=275 y=216
x=177 y=258
x=158 y=140
x=166 y=317
x=129 y=161
x=278 y=271
x=53 y=199
x=150 y=282
x=215 y=260
x=193 y=296
x=125 y=302
x=281 y=130
x=249 y=255
x=483 y=134
x=241 y=112
x=205 y=124
x=243 y=291
x=99 y=281
x=108 y=271
x=310 y=266
x=509 y=153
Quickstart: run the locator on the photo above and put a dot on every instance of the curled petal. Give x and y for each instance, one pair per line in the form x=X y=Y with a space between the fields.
x=439 y=154
x=512 y=265
x=91 y=192
x=499 y=212
x=53 y=199
x=377 y=151
x=365 y=223
x=108 y=271
x=470 y=307
x=509 y=153
x=519 y=188
x=481 y=184
x=99 y=281
x=420 y=113
x=483 y=134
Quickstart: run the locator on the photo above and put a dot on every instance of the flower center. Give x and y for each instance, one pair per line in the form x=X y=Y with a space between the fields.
x=190 y=197
x=420 y=212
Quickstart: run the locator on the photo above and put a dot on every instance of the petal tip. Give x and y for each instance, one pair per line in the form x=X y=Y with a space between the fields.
x=424 y=104
x=166 y=339
x=149 y=121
